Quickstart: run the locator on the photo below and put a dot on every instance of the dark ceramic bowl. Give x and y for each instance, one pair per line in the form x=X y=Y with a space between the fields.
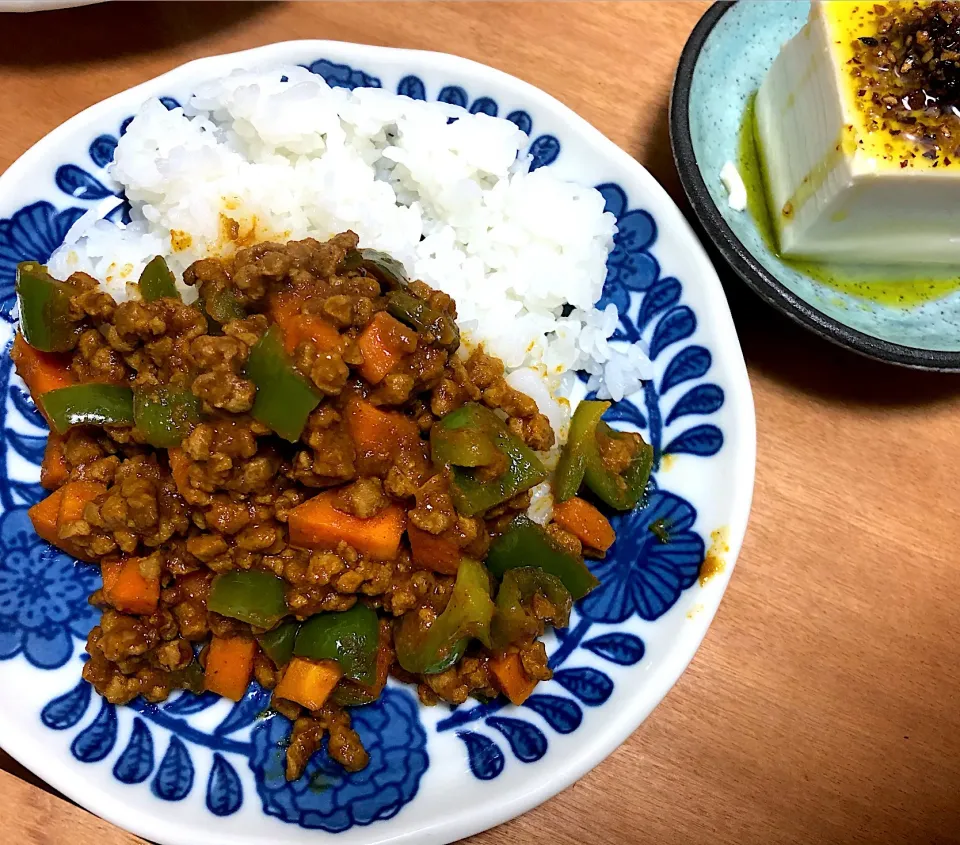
x=724 y=61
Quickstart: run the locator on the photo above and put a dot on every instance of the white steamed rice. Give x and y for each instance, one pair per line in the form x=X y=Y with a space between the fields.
x=287 y=157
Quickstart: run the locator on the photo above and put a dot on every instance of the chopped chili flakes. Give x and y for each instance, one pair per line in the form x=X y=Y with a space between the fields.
x=908 y=73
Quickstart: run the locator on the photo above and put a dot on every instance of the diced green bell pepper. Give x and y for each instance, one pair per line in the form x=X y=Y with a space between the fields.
x=278 y=643
x=572 y=465
x=525 y=543
x=284 y=397
x=461 y=447
x=472 y=494
x=383 y=267
x=165 y=415
x=350 y=693
x=190 y=677
x=415 y=312
x=620 y=491
x=467 y=616
x=350 y=637
x=222 y=305
x=88 y=404
x=513 y=623
x=157 y=281
x=252 y=596
x=44 y=305
x=580 y=461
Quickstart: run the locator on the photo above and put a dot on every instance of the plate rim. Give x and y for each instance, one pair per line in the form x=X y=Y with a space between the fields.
x=742 y=438
x=757 y=277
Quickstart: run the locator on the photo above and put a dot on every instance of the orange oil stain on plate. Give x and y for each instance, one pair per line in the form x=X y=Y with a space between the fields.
x=714 y=563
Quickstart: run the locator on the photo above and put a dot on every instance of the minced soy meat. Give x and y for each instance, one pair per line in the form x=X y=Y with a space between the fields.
x=223 y=497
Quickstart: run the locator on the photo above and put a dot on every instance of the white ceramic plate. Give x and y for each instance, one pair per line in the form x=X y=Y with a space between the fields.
x=43 y=5
x=200 y=770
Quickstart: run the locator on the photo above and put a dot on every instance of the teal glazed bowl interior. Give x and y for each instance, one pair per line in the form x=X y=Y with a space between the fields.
x=725 y=60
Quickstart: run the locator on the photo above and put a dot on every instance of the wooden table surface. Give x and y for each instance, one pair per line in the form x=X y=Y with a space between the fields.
x=819 y=707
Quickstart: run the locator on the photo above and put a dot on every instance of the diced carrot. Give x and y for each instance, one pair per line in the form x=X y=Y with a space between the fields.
x=126 y=588
x=318 y=524
x=230 y=666
x=286 y=310
x=40 y=371
x=513 y=682
x=385 y=656
x=586 y=522
x=180 y=469
x=305 y=327
x=76 y=496
x=436 y=552
x=378 y=434
x=383 y=344
x=286 y=304
x=308 y=682
x=70 y=501
x=44 y=515
x=54 y=471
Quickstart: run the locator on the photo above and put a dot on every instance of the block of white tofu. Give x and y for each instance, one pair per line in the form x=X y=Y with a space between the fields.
x=843 y=185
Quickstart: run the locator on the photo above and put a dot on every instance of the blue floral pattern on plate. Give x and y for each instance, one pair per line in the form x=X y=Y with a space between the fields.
x=31 y=234
x=43 y=596
x=43 y=593
x=326 y=797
